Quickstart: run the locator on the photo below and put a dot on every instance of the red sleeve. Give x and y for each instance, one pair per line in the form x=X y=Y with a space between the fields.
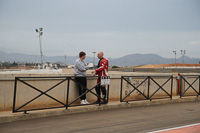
x=103 y=65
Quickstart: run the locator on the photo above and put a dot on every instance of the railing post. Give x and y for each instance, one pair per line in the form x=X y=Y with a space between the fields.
x=199 y=85
x=171 y=85
x=180 y=86
x=121 y=89
x=67 y=99
x=108 y=93
x=14 y=98
x=25 y=112
x=148 y=88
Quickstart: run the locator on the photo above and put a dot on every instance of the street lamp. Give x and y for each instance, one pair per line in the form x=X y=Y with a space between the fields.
x=66 y=60
x=40 y=41
x=183 y=53
x=93 y=59
x=175 y=58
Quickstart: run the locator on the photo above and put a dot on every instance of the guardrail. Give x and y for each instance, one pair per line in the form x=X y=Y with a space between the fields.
x=185 y=79
x=146 y=79
x=63 y=79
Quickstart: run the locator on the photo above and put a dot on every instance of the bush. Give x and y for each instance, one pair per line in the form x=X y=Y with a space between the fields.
x=115 y=66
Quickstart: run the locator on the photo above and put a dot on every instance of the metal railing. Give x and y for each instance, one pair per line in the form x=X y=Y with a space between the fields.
x=63 y=79
x=87 y=91
x=146 y=79
x=185 y=79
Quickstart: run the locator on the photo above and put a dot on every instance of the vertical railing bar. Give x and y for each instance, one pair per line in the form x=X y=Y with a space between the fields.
x=171 y=85
x=199 y=85
x=67 y=99
x=14 y=97
x=121 y=88
x=180 y=86
x=108 y=93
x=148 y=88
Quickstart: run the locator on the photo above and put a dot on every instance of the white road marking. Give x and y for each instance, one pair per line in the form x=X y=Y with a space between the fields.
x=174 y=128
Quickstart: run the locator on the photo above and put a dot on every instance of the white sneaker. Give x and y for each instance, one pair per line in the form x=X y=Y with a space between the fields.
x=86 y=102
x=83 y=101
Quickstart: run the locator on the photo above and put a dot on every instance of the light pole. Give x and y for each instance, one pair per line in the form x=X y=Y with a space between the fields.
x=93 y=59
x=183 y=53
x=40 y=41
x=66 y=60
x=175 y=58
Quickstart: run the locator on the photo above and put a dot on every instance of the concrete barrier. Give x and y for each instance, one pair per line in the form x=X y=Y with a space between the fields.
x=158 y=70
x=25 y=93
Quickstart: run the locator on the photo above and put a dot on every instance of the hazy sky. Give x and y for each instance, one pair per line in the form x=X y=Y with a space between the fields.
x=117 y=27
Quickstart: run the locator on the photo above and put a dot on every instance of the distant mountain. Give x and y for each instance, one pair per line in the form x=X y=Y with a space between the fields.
x=128 y=60
x=142 y=59
x=11 y=57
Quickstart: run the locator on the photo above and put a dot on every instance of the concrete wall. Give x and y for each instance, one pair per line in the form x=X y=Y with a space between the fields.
x=25 y=93
x=158 y=70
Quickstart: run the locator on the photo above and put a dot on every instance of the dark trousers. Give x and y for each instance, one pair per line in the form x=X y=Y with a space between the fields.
x=83 y=82
x=103 y=89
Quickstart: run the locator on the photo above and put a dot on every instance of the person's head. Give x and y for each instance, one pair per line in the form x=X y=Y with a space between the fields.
x=82 y=55
x=100 y=55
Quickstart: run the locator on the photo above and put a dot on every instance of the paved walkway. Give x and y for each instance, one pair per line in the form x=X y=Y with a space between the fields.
x=134 y=119
x=8 y=116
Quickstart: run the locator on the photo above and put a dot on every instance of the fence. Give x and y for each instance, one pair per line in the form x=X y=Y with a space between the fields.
x=188 y=82
x=132 y=88
x=145 y=80
x=66 y=104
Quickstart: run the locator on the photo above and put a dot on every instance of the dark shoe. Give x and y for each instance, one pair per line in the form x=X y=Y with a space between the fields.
x=104 y=102
x=97 y=102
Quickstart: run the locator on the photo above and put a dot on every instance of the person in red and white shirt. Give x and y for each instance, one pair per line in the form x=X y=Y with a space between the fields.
x=102 y=70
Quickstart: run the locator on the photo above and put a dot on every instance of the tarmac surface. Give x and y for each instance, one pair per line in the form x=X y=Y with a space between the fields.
x=139 y=119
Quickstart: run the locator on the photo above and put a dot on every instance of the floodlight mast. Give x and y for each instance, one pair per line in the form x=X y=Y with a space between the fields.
x=175 y=58
x=40 y=41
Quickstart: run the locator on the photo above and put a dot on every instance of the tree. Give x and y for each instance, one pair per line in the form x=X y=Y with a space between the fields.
x=14 y=64
x=115 y=66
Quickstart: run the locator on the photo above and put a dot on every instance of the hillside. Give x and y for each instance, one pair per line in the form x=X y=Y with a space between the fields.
x=142 y=59
x=167 y=65
x=128 y=60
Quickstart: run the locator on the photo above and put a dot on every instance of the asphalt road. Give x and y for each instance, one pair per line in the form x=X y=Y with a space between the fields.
x=137 y=119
